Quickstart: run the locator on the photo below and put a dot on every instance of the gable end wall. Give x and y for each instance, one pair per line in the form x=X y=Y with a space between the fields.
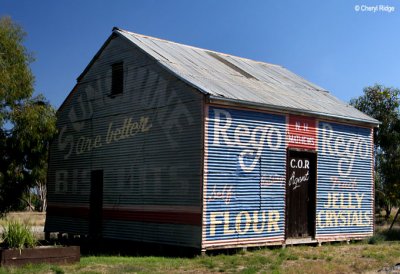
x=147 y=141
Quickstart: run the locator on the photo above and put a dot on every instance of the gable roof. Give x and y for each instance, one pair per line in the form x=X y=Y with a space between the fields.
x=228 y=78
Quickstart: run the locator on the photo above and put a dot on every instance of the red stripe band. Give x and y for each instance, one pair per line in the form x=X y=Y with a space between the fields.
x=147 y=216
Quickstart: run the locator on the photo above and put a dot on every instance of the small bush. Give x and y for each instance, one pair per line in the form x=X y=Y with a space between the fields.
x=57 y=269
x=17 y=235
x=208 y=262
x=392 y=235
x=376 y=239
x=292 y=257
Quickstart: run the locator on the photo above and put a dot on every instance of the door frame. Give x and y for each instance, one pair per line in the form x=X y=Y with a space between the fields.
x=315 y=153
x=96 y=203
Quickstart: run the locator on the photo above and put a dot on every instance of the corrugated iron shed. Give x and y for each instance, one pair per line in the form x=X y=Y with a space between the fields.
x=206 y=150
x=230 y=78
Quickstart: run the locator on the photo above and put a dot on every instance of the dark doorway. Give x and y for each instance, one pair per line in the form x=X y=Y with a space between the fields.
x=96 y=203
x=300 y=194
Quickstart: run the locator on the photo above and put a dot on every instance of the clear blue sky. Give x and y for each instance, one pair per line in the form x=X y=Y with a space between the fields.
x=327 y=42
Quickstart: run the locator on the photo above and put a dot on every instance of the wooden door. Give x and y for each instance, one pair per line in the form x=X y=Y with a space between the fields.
x=96 y=204
x=300 y=194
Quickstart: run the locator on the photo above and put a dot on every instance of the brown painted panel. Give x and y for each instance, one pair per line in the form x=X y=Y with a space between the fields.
x=300 y=194
x=54 y=255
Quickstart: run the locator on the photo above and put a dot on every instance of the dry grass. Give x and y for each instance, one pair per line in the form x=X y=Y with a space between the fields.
x=29 y=218
x=354 y=258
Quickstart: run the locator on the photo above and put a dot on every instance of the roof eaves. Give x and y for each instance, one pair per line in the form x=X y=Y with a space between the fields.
x=227 y=101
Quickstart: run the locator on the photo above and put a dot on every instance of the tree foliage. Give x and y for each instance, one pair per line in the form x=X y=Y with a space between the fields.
x=383 y=103
x=27 y=123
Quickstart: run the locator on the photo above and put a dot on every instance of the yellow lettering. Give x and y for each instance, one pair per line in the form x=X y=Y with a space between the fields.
x=355 y=220
x=255 y=222
x=367 y=218
x=335 y=199
x=328 y=204
x=359 y=199
x=360 y=218
x=350 y=202
x=342 y=205
x=319 y=219
x=239 y=222
x=328 y=218
x=109 y=133
x=342 y=218
x=144 y=124
x=273 y=218
x=134 y=129
x=79 y=145
x=214 y=221
x=227 y=230
x=348 y=213
x=128 y=129
x=118 y=134
x=334 y=216
x=97 y=141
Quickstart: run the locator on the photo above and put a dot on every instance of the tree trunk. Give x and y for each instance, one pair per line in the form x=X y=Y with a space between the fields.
x=388 y=210
x=28 y=202
x=42 y=193
x=394 y=219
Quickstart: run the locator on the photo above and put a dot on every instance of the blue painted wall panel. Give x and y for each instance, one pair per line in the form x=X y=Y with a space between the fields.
x=345 y=180
x=244 y=195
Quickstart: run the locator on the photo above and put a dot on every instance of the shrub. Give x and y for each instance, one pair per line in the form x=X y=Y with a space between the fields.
x=392 y=235
x=376 y=239
x=17 y=235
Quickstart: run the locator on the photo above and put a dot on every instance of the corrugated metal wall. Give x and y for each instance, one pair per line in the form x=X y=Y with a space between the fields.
x=244 y=184
x=345 y=181
x=245 y=174
x=147 y=140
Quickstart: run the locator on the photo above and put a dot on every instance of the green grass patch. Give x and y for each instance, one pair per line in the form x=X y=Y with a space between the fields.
x=360 y=257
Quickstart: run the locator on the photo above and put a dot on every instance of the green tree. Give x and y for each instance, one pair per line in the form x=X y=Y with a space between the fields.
x=27 y=123
x=383 y=103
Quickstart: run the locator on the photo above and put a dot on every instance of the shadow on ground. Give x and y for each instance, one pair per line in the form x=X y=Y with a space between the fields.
x=97 y=247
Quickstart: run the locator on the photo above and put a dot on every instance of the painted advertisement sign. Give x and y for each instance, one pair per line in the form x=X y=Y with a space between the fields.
x=245 y=177
x=345 y=194
x=302 y=132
